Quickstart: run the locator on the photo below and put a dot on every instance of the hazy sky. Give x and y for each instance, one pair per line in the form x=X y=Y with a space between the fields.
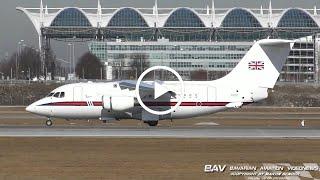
x=15 y=26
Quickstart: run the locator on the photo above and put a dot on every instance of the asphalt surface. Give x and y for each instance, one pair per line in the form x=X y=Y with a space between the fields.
x=207 y=129
x=227 y=116
x=167 y=132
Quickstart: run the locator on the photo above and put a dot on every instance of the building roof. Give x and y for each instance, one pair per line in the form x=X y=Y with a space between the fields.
x=171 y=17
x=175 y=24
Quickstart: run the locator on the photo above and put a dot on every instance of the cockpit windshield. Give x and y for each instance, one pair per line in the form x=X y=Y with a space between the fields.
x=57 y=94
x=50 y=94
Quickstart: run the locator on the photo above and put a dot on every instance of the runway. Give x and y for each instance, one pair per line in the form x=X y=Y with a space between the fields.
x=224 y=115
x=214 y=132
x=250 y=123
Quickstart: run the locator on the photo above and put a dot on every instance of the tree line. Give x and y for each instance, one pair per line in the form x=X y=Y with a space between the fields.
x=89 y=66
x=26 y=64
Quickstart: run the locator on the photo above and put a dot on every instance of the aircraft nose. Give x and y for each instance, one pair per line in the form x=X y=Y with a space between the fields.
x=31 y=108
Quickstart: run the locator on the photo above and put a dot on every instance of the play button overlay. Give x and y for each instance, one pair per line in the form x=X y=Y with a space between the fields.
x=160 y=89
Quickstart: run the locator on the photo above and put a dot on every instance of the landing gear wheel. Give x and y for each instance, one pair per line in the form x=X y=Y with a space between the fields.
x=152 y=123
x=49 y=122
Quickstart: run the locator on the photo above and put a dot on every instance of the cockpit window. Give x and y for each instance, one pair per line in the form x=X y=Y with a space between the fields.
x=57 y=94
x=62 y=95
x=50 y=94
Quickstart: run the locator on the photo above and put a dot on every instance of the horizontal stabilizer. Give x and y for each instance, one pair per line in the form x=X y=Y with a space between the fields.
x=234 y=105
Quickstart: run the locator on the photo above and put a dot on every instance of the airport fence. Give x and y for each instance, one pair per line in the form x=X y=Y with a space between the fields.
x=284 y=94
x=6 y=100
x=23 y=94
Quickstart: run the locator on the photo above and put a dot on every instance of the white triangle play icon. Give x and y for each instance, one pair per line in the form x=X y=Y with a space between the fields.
x=159 y=90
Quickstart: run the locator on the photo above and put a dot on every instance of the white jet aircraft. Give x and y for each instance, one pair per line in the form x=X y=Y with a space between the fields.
x=247 y=83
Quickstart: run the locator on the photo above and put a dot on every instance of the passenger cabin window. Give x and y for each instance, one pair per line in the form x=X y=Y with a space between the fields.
x=62 y=95
x=57 y=94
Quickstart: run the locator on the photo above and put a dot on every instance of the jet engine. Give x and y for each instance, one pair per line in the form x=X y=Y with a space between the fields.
x=117 y=103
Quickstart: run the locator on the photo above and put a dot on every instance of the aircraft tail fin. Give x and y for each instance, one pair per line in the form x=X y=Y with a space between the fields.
x=262 y=64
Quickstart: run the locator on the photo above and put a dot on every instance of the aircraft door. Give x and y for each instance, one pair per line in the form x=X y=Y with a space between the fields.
x=77 y=93
x=212 y=94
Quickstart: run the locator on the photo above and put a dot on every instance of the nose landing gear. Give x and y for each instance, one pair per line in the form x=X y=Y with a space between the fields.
x=49 y=122
x=152 y=123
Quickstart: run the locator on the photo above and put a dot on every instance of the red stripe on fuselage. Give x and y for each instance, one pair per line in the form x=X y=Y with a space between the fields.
x=74 y=103
x=186 y=103
x=97 y=103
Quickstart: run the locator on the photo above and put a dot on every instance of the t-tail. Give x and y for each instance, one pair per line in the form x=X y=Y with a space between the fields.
x=257 y=72
x=262 y=64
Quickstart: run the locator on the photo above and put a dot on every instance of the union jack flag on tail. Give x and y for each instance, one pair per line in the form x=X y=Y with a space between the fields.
x=256 y=65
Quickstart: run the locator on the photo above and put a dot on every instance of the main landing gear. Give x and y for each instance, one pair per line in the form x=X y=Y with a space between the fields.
x=49 y=122
x=152 y=123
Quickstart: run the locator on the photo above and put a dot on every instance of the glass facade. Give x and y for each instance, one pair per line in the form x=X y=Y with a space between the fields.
x=240 y=18
x=184 y=17
x=71 y=17
x=129 y=34
x=182 y=24
x=127 y=17
x=185 y=41
x=186 y=34
x=241 y=34
x=296 y=18
x=296 y=33
x=214 y=58
x=183 y=57
x=301 y=63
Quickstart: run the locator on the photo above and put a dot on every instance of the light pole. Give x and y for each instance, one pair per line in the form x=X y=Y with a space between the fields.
x=64 y=61
x=101 y=73
x=176 y=57
x=141 y=68
x=73 y=55
x=140 y=54
x=2 y=75
x=46 y=71
x=70 y=56
x=22 y=72
x=73 y=59
x=35 y=50
x=29 y=74
x=18 y=56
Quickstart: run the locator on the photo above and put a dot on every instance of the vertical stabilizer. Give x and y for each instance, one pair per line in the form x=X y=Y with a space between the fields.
x=262 y=64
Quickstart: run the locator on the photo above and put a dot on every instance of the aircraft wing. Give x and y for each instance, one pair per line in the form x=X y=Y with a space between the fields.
x=131 y=85
x=145 y=88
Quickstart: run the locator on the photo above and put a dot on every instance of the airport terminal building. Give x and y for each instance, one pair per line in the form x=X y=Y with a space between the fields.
x=210 y=40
